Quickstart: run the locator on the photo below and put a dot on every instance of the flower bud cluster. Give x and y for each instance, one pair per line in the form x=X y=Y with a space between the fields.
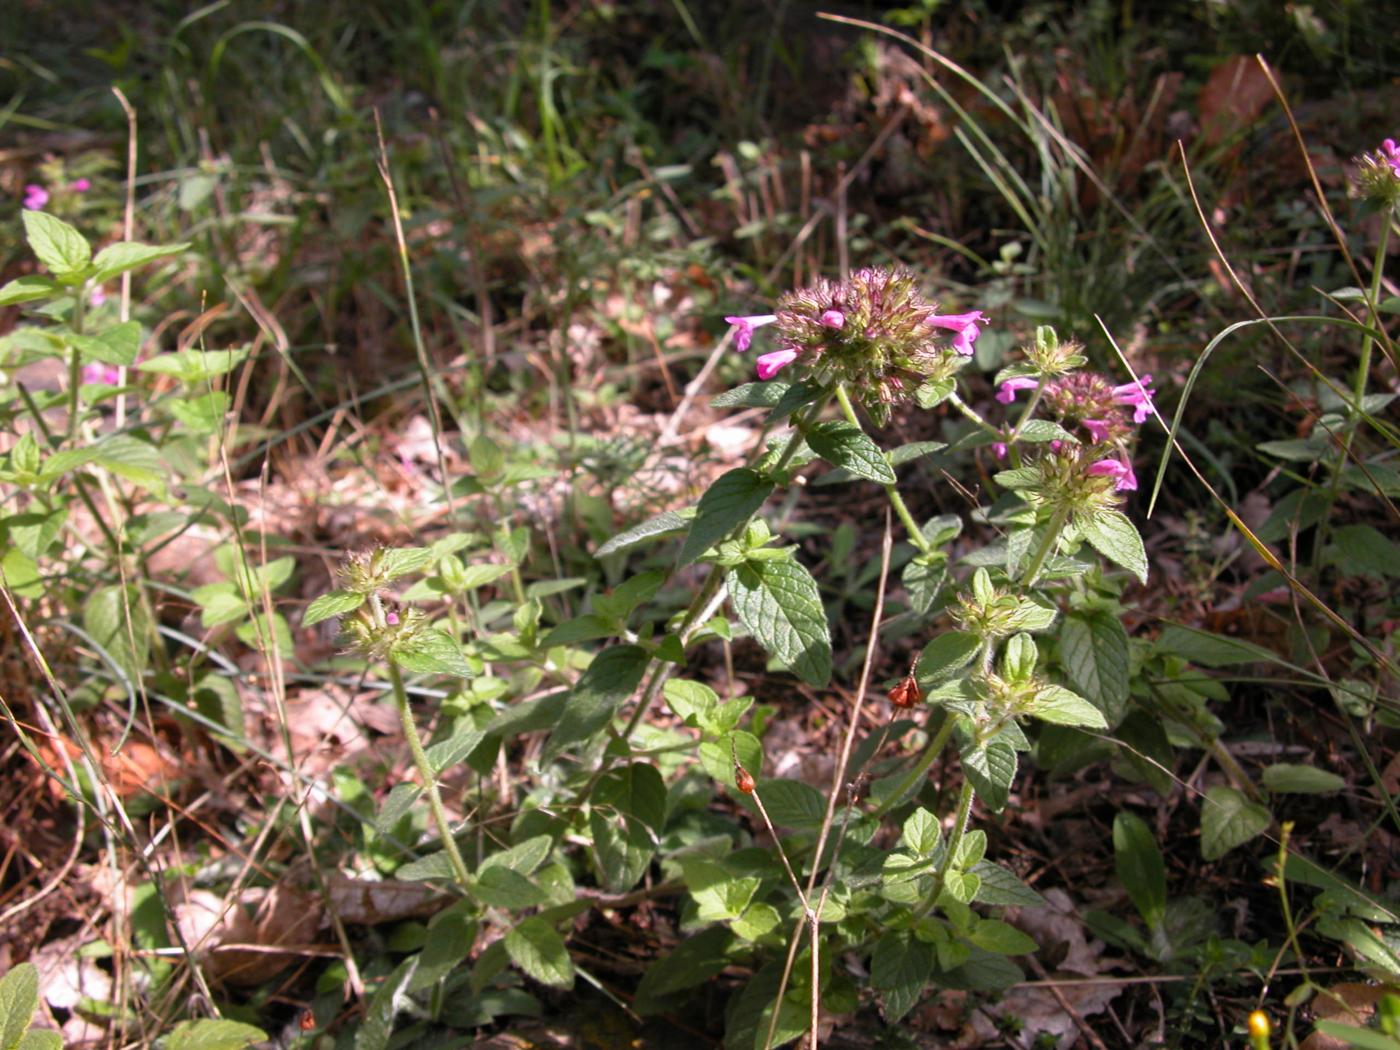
x=874 y=333
x=375 y=633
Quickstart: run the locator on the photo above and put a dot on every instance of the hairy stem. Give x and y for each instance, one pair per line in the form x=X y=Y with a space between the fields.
x=916 y=535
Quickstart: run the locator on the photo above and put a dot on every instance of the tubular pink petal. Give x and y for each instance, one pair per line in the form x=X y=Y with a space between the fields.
x=745 y=326
x=1097 y=428
x=770 y=365
x=1008 y=390
x=964 y=327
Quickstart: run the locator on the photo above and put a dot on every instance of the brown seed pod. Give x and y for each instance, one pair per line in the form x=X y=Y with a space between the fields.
x=743 y=779
x=907 y=693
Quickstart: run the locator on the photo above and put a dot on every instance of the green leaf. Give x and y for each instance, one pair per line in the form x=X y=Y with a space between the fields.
x=336 y=603
x=624 y=846
x=846 y=445
x=203 y=413
x=432 y=651
x=397 y=806
x=921 y=832
x=793 y=804
x=118 y=258
x=19 y=997
x=1357 y=1038
x=195 y=366
x=662 y=524
x=401 y=561
x=1060 y=706
x=536 y=947
x=117 y=621
x=501 y=887
x=752 y=395
x=923 y=578
x=779 y=603
x=40 y=1039
x=719 y=894
x=692 y=702
x=692 y=963
x=1284 y=778
x=27 y=289
x=523 y=857
x=57 y=245
x=465 y=739
x=1362 y=549
x=1229 y=819
x=991 y=768
x=717 y=755
x=1039 y=431
x=636 y=789
x=217 y=699
x=1140 y=867
x=727 y=504
x=210 y=1034
x=914 y=450
x=1211 y=650
x=122 y=454
x=900 y=966
x=116 y=345
x=1094 y=651
x=1001 y=938
x=1111 y=534
x=610 y=679
x=934 y=392
x=449 y=941
x=946 y=655
x=1001 y=887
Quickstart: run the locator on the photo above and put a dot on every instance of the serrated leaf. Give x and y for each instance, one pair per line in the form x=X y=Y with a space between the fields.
x=752 y=395
x=846 y=445
x=1284 y=778
x=901 y=965
x=1228 y=820
x=446 y=754
x=610 y=679
x=727 y=504
x=1115 y=537
x=336 y=603
x=921 y=832
x=432 y=651
x=1094 y=651
x=203 y=413
x=1001 y=887
x=1363 y=549
x=116 y=345
x=536 y=947
x=717 y=756
x=991 y=768
x=122 y=454
x=216 y=698
x=448 y=943
x=40 y=1039
x=211 y=1034
x=624 y=846
x=118 y=258
x=57 y=245
x=1060 y=706
x=934 y=392
x=779 y=603
x=719 y=894
x=1001 y=938
x=400 y=561
x=636 y=789
x=523 y=857
x=384 y=1005
x=396 y=806
x=1140 y=866
x=662 y=524
x=1039 y=431
x=923 y=580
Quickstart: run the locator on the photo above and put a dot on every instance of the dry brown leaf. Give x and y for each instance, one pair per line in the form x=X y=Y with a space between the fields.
x=368 y=903
x=231 y=938
x=1235 y=94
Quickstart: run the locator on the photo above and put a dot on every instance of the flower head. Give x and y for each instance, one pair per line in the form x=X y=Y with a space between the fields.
x=999 y=449
x=964 y=327
x=743 y=336
x=1008 y=390
x=1377 y=176
x=1138 y=396
x=35 y=197
x=870 y=332
x=1390 y=153
x=80 y=185
x=1119 y=469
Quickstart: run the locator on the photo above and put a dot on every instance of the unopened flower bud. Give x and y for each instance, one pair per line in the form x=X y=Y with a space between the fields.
x=743 y=779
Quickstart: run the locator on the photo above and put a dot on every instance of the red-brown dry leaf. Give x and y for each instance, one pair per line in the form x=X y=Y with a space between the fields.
x=260 y=919
x=1235 y=94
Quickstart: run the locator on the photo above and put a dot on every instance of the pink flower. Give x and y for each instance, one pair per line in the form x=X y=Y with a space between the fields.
x=1097 y=428
x=35 y=197
x=1391 y=152
x=108 y=374
x=1116 y=468
x=80 y=185
x=999 y=448
x=1056 y=445
x=1012 y=386
x=1137 y=395
x=97 y=296
x=392 y=619
x=745 y=325
x=833 y=319
x=770 y=365
x=964 y=327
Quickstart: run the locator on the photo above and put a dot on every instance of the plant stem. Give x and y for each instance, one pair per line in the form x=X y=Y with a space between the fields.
x=425 y=770
x=972 y=414
x=75 y=365
x=916 y=535
x=1052 y=536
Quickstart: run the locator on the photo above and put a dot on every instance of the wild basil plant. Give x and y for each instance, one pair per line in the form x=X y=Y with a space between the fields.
x=862 y=882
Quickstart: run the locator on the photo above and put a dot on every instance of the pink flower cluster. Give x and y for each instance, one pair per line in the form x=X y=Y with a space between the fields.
x=36 y=196
x=1390 y=153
